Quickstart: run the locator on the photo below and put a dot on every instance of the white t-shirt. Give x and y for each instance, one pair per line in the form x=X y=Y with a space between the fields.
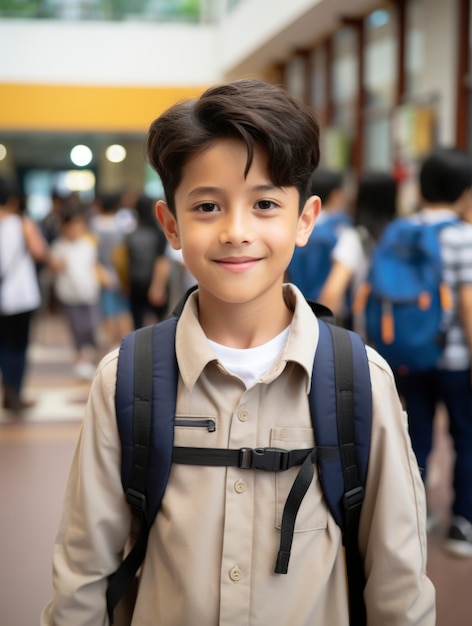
x=251 y=363
x=19 y=288
x=78 y=282
x=456 y=254
x=353 y=249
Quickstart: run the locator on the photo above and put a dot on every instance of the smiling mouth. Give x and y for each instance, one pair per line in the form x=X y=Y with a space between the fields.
x=238 y=264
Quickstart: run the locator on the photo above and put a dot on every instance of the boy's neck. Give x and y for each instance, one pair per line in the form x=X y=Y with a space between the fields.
x=246 y=325
x=439 y=207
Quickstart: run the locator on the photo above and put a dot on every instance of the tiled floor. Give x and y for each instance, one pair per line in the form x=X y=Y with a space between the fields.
x=35 y=454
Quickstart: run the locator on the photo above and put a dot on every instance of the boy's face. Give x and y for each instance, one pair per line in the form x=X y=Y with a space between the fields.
x=237 y=234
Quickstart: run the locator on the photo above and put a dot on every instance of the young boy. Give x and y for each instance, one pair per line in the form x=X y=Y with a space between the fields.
x=445 y=181
x=74 y=261
x=235 y=166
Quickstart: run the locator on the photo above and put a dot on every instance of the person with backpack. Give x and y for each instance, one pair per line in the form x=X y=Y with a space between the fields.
x=430 y=337
x=148 y=264
x=311 y=264
x=375 y=205
x=244 y=533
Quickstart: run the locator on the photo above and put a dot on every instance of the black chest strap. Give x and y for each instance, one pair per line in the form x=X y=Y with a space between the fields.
x=270 y=460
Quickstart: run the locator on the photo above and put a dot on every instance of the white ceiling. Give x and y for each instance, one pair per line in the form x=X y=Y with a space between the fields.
x=316 y=22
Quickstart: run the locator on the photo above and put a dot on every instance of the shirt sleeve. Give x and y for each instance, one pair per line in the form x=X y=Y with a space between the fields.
x=96 y=519
x=465 y=257
x=392 y=533
x=348 y=249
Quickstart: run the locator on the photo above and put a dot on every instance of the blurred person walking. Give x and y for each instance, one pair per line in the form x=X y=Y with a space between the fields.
x=375 y=205
x=445 y=180
x=114 y=301
x=21 y=247
x=74 y=262
x=50 y=227
x=148 y=265
x=311 y=264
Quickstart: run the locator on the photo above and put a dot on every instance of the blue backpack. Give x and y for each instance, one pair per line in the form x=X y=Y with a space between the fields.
x=404 y=299
x=341 y=409
x=311 y=264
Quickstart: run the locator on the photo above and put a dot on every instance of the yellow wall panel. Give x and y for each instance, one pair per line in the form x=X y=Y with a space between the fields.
x=86 y=108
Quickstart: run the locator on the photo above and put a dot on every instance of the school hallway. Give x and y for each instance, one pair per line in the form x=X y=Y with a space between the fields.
x=35 y=454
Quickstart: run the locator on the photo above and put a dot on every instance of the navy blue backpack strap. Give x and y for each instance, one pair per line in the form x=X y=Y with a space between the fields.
x=341 y=409
x=145 y=399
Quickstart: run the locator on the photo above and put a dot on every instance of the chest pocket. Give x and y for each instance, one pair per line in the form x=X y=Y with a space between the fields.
x=313 y=512
x=195 y=430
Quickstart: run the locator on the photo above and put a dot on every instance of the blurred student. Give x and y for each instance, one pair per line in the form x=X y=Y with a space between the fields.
x=50 y=227
x=375 y=206
x=74 y=262
x=114 y=301
x=311 y=264
x=445 y=180
x=21 y=247
x=148 y=265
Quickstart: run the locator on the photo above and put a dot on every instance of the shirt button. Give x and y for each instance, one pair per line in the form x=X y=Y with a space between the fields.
x=243 y=415
x=235 y=574
x=240 y=486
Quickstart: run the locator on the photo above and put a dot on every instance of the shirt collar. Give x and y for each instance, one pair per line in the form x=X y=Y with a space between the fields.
x=304 y=332
x=194 y=352
x=437 y=214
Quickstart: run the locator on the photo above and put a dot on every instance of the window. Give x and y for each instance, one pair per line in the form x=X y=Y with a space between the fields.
x=344 y=79
x=380 y=75
x=114 y=10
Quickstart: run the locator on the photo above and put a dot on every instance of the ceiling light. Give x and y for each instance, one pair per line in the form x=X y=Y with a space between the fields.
x=81 y=155
x=115 y=153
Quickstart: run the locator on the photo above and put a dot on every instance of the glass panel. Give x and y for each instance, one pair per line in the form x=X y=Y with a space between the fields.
x=344 y=78
x=414 y=52
x=380 y=59
x=232 y=4
x=378 y=143
x=318 y=99
x=156 y=10
x=295 y=77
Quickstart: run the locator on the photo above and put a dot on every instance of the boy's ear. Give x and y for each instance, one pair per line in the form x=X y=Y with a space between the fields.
x=307 y=219
x=169 y=224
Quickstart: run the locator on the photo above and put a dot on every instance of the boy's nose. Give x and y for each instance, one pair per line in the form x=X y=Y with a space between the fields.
x=236 y=228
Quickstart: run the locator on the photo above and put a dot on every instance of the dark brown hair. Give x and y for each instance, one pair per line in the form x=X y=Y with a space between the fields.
x=444 y=175
x=253 y=111
x=376 y=201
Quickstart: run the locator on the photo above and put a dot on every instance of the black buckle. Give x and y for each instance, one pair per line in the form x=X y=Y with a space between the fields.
x=267 y=459
x=137 y=501
x=352 y=499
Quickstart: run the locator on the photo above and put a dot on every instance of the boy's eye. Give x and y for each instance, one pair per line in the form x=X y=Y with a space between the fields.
x=265 y=204
x=207 y=207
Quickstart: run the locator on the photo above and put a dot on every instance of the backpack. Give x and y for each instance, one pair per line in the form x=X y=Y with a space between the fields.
x=311 y=264
x=143 y=245
x=405 y=299
x=341 y=410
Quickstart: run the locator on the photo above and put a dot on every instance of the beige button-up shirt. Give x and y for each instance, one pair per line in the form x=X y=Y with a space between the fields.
x=212 y=549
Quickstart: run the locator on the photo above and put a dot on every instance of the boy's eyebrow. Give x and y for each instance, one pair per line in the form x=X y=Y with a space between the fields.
x=204 y=190
x=217 y=190
x=268 y=187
